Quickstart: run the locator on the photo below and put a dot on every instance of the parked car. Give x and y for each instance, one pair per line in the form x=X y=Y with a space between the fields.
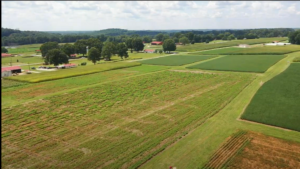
x=33 y=68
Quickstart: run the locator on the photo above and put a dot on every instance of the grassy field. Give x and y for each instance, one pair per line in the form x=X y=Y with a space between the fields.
x=24 y=49
x=277 y=101
x=195 y=149
x=202 y=46
x=17 y=95
x=78 y=71
x=297 y=59
x=176 y=60
x=5 y=83
x=242 y=63
x=22 y=60
x=92 y=128
x=266 y=50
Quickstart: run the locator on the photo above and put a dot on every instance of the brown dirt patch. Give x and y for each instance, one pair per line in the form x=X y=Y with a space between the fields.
x=261 y=152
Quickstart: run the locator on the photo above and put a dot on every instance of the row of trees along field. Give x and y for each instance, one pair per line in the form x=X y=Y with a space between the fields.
x=294 y=37
x=53 y=53
x=12 y=36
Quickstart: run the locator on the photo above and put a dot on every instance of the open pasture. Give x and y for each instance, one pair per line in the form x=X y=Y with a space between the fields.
x=203 y=46
x=297 y=59
x=22 y=60
x=16 y=95
x=80 y=70
x=252 y=150
x=277 y=101
x=113 y=125
x=176 y=60
x=264 y=50
x=240 y=63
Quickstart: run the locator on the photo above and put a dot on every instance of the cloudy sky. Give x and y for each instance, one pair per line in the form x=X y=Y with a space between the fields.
x=148 y=15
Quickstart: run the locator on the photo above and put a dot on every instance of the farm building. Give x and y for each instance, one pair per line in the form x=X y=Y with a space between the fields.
x=244 y=46
x=70 y=65
x=8 y=71
x=149 y=51
x=157 y=43
x=5 y=55
x=73 y=55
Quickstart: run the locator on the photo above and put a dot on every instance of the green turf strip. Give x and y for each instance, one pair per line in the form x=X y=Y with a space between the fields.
x=176 y=60
x=240 y=63
x=277 y=102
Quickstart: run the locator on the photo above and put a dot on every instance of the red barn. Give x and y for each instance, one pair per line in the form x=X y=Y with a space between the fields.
x=73 y=55
x=8 y=71
x=157 y=43
x=149 y=50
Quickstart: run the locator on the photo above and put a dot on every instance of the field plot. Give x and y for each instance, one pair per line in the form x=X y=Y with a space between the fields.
x=81 y=70
x=255 y=150
x=22 y=60
x=176 y=60
x=11 y=96
x=277 y=101
x=297 y=59
x=113 y=125
x=5 y=83
x=266 y=50
x=203 y=46
x=240 y=63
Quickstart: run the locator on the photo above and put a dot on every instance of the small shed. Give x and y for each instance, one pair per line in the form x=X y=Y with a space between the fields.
x=73 y=55
x=157 y=43
x=8 y=71
x=149 y=51
x=244 y=46
x=70 y=65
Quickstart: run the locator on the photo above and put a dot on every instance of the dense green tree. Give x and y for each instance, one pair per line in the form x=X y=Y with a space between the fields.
x=147 y=39
x=68 y=49
x=137 y=44
x=94 y=42
x=122 y=50
x=108 y=50
x=80 y=46
x=159 y=37
x=169 y=45
x=46 y=47
x=184 y=40
x=190 y=36
x=231 y=37
x=294 y=37
x=128 y=43
x=3 y=49
x=94 y=55
x=56 y=57
x=165 y=37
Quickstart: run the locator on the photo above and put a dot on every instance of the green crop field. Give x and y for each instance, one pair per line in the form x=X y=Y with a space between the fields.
x=297 y=59
x=5 y=83
x=81 y=70
x=176 y=60
x=203 y=46
x=277 y=101
x=92 y=127
x=240 y=63
x=266 y=50
x=11 y=96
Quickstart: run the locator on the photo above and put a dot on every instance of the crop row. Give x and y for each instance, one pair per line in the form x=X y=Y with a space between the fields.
x=221 y=157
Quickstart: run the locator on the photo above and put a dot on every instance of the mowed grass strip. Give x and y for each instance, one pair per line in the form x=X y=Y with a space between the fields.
x=263 y=50
x=204 y=46
x=176 y=60
x=277 y=101
x=240 y=63
x=80 y=70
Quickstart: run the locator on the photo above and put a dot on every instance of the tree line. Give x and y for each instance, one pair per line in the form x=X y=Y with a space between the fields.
x=11 y=36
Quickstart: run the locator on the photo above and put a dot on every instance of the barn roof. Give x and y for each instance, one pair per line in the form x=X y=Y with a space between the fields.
x=5 y=54
x=10 y=68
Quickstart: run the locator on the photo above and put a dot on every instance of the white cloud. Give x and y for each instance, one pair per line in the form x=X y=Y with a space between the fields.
x=87 y=15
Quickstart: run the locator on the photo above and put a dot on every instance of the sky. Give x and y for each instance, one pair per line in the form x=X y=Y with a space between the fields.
x=148 y=15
